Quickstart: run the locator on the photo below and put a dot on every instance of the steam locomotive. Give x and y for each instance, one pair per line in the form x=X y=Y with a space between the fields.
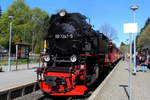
x=74 y=55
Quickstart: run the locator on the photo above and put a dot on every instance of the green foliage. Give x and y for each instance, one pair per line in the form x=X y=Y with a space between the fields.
x=122 y=44
x=20 y=61
x=124 y=48
x=29 y=25
x=144 y=38
x=4 y=29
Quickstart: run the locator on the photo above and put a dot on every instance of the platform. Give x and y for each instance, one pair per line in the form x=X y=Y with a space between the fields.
x=9 y=80
x=115 y=86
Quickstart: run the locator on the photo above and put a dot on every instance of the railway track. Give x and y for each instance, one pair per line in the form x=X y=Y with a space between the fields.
x=38 y=95
x=63 y=98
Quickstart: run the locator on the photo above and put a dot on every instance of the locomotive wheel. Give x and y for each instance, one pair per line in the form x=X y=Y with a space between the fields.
x=94 y=76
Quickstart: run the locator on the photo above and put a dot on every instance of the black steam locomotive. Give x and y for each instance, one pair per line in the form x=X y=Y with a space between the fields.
x=74 y=55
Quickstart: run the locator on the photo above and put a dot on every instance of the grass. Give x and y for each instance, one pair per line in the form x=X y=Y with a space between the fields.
x=20 y=61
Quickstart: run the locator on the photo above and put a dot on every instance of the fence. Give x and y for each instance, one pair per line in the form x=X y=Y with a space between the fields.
x=18 y=62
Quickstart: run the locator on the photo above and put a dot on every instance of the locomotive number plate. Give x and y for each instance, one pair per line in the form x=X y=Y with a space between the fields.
x=63 y=36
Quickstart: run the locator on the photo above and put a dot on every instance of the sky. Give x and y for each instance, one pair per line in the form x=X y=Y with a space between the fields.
x=112 y=12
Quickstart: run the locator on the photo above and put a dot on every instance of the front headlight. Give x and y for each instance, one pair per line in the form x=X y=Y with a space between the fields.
x=47 y=58
x=62 y=13
x=73 y=58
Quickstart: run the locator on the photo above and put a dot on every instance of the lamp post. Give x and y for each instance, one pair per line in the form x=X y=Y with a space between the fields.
x=134 y=8
x=9 y=54
x=132 y=29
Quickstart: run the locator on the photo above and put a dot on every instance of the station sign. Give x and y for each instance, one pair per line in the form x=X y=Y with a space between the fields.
x=130 y=28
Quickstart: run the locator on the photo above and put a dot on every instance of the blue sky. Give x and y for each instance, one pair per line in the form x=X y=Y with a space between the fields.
x=100 y=12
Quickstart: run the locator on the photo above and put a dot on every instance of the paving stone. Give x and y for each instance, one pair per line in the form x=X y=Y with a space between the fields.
x=116 y=86
x=14 y=79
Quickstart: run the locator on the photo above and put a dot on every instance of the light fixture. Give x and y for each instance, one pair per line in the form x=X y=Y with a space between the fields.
x=134 y=7
x=62 y=13
x=11 y=16
x=73 y=58
x=46 y=58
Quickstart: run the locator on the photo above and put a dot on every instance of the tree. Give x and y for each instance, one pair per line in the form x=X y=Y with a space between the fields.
x=40 y=19
x=109 y=31
x=29 y=25
x=4 y=29
x=124 y=48
x=144 y=37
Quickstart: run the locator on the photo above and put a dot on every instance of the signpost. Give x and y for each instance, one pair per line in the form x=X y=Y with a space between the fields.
x=130 y=28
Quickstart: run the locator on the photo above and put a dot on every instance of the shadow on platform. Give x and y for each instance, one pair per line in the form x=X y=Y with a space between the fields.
x=125 y=89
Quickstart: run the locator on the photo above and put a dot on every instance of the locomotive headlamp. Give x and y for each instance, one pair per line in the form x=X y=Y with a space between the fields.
x=47 y=58
x=62 y=13
x=73 y=58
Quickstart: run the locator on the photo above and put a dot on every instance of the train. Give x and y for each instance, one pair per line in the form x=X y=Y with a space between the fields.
x=74 y=55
